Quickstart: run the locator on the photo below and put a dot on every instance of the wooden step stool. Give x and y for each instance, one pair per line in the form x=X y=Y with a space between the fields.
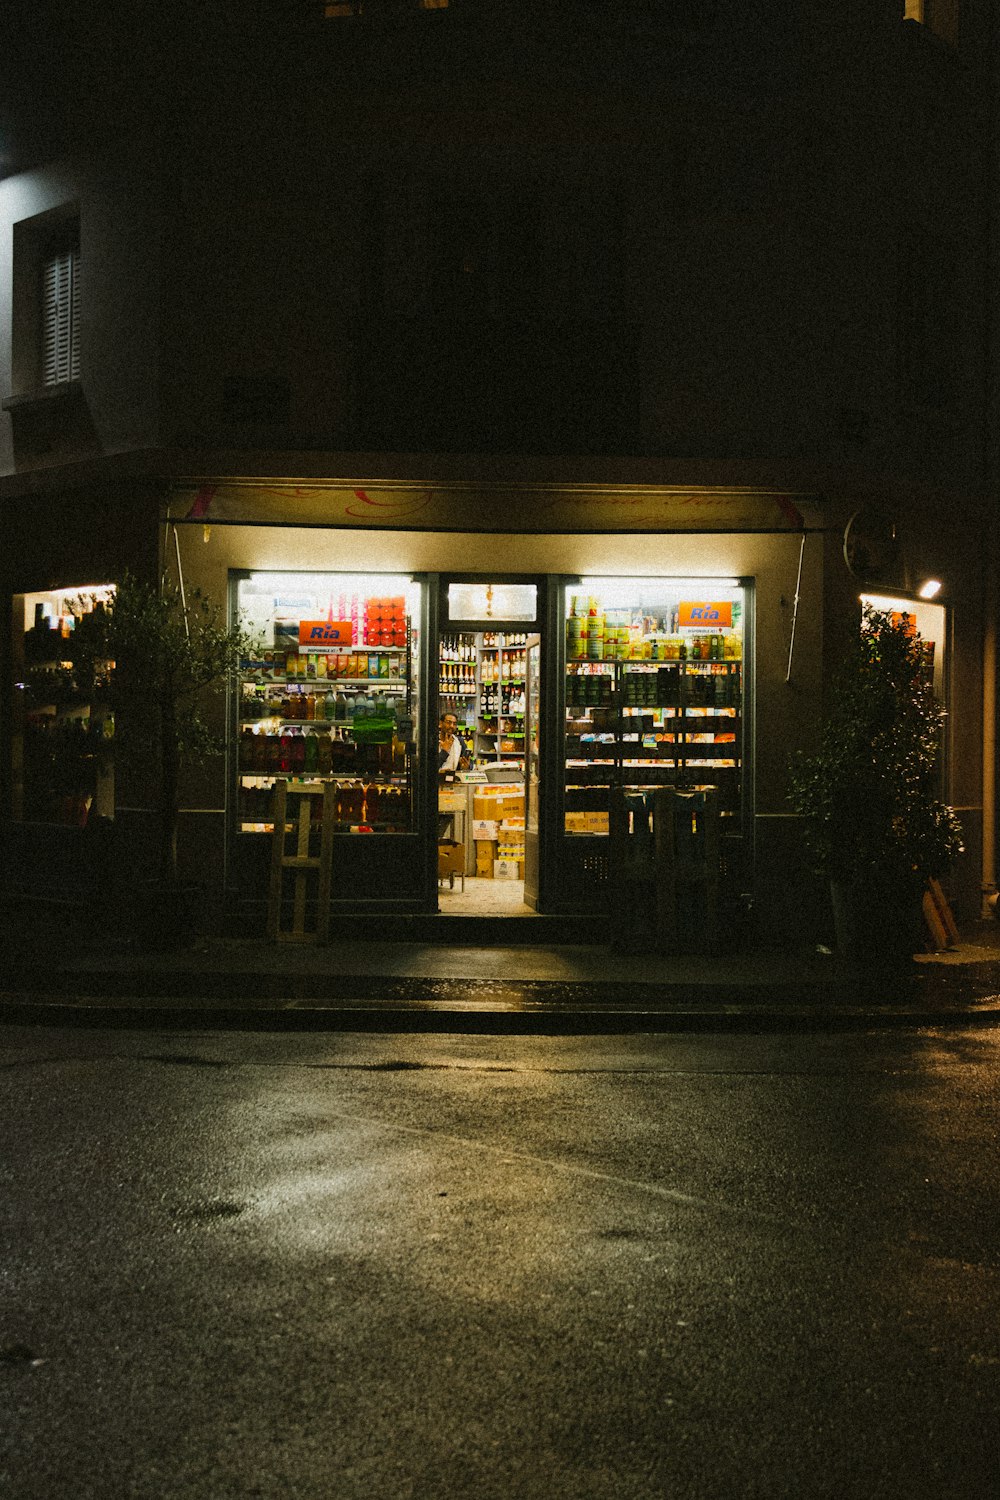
x=300 y=861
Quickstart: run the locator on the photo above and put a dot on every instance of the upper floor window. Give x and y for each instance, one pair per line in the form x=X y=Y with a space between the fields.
x=45 y=302
x=59 y=360
x=939 y=16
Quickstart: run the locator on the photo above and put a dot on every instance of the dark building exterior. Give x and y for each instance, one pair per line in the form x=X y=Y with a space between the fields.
x=643 y=307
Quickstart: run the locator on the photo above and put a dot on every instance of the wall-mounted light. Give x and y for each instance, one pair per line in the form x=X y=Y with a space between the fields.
x=929 y=589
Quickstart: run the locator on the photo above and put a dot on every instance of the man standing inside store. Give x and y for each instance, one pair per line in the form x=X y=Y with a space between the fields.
x=453 y=752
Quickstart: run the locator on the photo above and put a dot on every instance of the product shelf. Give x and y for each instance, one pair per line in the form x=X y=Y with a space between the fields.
x=639 y=724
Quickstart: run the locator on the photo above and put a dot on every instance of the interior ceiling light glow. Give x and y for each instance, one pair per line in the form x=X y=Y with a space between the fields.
x=930 y=588
x=691 y=584
x=322 y=583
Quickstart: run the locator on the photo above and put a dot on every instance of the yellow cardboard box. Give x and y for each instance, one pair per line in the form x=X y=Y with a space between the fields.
x=486 y=853
x=451 y=857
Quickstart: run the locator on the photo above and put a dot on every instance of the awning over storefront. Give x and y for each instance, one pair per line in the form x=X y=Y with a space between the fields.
x=487 y=508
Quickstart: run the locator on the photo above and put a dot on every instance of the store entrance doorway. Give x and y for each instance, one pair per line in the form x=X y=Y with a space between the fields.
x=489 y=668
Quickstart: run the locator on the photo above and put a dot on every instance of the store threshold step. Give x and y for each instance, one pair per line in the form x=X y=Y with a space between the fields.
x=472 y=931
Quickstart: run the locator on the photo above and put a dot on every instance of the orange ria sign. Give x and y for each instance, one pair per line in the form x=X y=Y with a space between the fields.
x=321 y=633
x=717 y=616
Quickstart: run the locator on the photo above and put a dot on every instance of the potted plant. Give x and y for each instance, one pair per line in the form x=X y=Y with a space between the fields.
x=872 y=820
x=171 y=653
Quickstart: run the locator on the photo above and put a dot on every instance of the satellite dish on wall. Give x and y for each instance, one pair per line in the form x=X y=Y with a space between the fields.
x=872 y=549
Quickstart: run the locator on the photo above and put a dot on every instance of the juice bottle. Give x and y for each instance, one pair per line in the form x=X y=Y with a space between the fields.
x=298 y=751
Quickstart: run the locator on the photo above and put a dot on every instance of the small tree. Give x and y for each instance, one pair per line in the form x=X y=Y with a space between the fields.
x=170 y=656
x=868 y=796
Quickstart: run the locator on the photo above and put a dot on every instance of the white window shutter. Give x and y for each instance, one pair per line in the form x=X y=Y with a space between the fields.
x=61 y=317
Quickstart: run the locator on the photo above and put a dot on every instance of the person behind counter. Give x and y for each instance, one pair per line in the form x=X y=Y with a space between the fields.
x=453 y=752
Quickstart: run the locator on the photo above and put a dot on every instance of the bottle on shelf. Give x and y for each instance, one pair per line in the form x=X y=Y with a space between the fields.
x=310 y=758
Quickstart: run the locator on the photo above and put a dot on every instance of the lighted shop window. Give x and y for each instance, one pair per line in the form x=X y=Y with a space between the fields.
x=939 y=16
x=63 y=729
x=332 y=695
x=359 y=7
x=929 y=621
x=492 y=601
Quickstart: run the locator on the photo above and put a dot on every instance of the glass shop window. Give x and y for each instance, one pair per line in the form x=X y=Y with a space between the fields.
x=63 y=725
x=331 y=696
x=654 y=692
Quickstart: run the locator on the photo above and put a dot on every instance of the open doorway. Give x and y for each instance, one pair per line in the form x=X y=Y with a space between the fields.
x=488 y=665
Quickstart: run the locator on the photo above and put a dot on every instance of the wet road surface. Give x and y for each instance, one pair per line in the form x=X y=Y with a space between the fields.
x=437 y=1266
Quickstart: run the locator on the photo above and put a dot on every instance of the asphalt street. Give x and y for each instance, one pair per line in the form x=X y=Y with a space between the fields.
x=472 y=1266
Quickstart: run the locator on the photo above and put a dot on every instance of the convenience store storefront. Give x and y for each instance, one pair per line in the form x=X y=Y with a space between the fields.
x=636 y=650
x=523 y=634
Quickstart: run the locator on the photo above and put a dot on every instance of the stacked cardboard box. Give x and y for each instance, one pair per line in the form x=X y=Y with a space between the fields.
x=451 y=857
x=495 y=812
x=587 y=822
x=496 y=802
x=510 y=849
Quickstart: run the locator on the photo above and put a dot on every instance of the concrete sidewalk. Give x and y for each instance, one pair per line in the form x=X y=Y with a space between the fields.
x=419 y=986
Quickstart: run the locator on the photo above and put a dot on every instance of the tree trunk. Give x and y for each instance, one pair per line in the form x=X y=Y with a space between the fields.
x=169 y=773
